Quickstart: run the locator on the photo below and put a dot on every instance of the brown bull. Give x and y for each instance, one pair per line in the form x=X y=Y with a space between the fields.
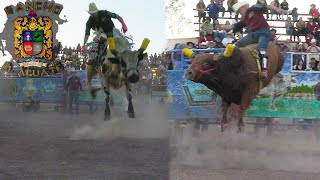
x=234 y=75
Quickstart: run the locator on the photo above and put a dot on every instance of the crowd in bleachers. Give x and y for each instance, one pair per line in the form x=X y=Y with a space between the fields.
x=210 y=34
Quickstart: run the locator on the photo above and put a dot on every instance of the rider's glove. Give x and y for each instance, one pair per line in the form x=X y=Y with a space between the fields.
x=124 y=28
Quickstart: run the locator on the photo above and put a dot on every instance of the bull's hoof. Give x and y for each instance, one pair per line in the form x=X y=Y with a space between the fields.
x=241 y=129
x=224 y=127
x=107 y=117
x=131 y=115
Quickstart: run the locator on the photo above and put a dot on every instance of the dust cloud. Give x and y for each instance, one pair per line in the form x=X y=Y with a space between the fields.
x=290 y=151
x=150 y=122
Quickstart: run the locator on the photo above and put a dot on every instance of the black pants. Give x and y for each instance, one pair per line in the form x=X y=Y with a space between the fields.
x=202 y=15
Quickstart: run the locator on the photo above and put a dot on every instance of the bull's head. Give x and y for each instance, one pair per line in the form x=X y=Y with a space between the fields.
x=129 y=61
x=202 y=65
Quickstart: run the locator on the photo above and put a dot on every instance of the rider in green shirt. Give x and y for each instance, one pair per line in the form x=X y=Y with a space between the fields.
x=100 y=20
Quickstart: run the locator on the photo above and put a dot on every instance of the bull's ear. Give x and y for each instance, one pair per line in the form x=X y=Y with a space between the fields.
x=114 y=60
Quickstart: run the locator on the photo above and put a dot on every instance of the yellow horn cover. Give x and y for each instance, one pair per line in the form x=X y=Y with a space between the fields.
x=145 y=43
x=187 y=52
x=228 y=51
x=112 y=46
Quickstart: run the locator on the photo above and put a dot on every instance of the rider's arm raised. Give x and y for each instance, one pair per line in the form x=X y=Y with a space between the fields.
x=124 y=26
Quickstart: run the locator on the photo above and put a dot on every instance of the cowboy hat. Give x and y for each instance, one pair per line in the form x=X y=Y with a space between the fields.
x=313 y=41
x=203 y=44
x=92 y=8
x=238 y=5
x=209 y=42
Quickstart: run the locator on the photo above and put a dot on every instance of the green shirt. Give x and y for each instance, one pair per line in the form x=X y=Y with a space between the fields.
x=103 y=21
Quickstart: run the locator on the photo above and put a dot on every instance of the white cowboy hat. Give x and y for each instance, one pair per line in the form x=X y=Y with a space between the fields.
x=92 y=8
x=238 y=5
x=313 y=41
x=203 y=44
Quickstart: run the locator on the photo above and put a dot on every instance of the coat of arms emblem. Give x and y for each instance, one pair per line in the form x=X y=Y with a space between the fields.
x=33 y=38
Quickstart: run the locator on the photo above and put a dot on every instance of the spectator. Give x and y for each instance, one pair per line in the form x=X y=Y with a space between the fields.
x=238 y=37
x=313 y=48
x=314 y=12
x=204 y=38
x=317 y=36
x=211 y=44
x=285 y=6
x=230 y=3
x=314 y=64
x=218 y=43
x=264 y=2
x=207 y=27
x=273 y=34
x=221 y=8
x=227 y=23
x=73 y=87
x=213 y=10
x=294 y=14
x=289 y=25
x=203 y=45
x=300 y=47
x=228 y=39
x=300 y=66
x=201 y=7
x=217 y=31
x=309 y=38
x=190 y=45
x=301 y=29
x=312 y=26
x=276 y=4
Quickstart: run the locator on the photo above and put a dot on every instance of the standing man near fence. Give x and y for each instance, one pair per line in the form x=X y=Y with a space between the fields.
x=73 y=87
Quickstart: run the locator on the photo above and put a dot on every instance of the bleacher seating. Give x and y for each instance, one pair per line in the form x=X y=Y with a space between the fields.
x=274 y=23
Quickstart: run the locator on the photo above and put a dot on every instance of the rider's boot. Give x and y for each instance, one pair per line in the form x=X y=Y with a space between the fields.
x=264 y=70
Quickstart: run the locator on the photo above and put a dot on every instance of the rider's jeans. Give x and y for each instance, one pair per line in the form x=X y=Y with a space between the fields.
x=261 y=36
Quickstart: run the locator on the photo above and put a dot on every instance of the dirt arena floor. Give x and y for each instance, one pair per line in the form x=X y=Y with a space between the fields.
x=212 y=155
x=51 y=145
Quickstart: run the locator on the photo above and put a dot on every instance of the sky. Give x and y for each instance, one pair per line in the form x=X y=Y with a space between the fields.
x=189 y=29
x=144 y=19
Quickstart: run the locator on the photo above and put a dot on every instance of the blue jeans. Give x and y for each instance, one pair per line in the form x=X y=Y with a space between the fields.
x=214 y=15
x=261 y=36
x=290 y=31
x=73 y=98
x=218 y=34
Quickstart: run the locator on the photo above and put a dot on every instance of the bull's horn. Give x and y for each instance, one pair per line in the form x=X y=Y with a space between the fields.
x=228 y=51
x=187 y=52
x=111 y=43
x=145 y=44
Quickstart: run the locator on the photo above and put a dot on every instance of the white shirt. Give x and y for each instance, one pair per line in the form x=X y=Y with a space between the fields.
x=227 y=40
